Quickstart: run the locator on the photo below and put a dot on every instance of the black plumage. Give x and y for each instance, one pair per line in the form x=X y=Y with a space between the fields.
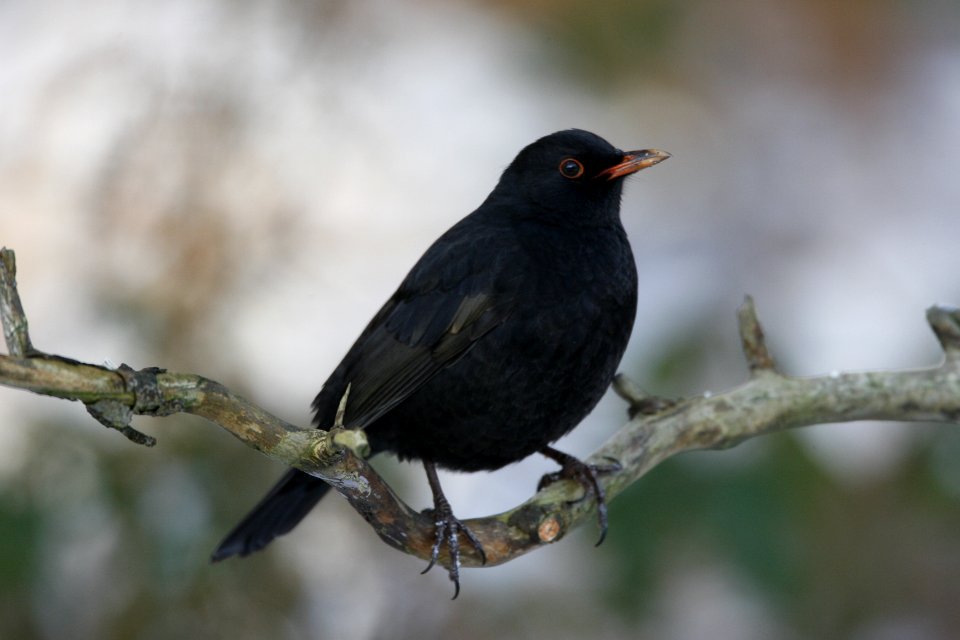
x=502 y=337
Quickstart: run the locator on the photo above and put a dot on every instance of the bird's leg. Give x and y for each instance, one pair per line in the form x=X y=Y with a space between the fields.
x=586 y=475
x=448 y=530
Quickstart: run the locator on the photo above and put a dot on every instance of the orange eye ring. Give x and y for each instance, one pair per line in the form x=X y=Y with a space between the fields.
x=571 y=168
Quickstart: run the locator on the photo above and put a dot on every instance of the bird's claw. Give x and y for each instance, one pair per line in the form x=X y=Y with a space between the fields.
x=448 y=530
x=586 y=475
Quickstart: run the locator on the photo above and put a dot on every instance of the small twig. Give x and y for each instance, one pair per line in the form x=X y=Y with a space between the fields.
x=16 y=332
x=641 y=403
x=945 y=322
x=116 y=415
x=342 y=407
x=628 y=389
x=752 y=338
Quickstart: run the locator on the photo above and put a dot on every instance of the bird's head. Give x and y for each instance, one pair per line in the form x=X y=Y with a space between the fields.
x=570 y=178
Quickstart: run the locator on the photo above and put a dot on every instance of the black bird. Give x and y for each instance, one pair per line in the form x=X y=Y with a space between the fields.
x=502 y=337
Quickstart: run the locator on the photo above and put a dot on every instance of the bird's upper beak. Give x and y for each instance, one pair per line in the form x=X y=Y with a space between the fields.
x=634 y=161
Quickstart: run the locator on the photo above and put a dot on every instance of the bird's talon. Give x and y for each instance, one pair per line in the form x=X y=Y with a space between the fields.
x=448 y=530
x=435 y=549
x=586 y=475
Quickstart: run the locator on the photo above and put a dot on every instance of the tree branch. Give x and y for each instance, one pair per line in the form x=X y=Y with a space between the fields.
x=769 y=401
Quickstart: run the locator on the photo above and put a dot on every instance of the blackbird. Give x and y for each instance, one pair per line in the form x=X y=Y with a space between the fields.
x=502 y=337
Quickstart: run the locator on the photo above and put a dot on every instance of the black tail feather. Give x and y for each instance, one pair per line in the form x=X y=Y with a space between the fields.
x=276 y=514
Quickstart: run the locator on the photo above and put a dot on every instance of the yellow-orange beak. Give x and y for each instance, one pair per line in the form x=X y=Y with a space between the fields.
x=634 y=161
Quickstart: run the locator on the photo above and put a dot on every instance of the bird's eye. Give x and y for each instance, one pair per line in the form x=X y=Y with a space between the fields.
x=570 y=168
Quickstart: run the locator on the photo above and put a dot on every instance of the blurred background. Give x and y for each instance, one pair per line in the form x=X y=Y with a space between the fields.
x=233 y=188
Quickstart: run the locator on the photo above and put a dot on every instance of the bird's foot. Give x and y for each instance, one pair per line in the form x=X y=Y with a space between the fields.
x=586 y=475
x=448 y=530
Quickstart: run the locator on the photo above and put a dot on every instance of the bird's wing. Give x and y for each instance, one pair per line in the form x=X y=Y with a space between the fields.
x=445 y=305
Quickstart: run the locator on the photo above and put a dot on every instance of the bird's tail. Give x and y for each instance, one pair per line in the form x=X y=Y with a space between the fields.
x=276 y=514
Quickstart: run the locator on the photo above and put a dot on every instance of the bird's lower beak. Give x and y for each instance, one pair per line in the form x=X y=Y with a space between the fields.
x=634 y=161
